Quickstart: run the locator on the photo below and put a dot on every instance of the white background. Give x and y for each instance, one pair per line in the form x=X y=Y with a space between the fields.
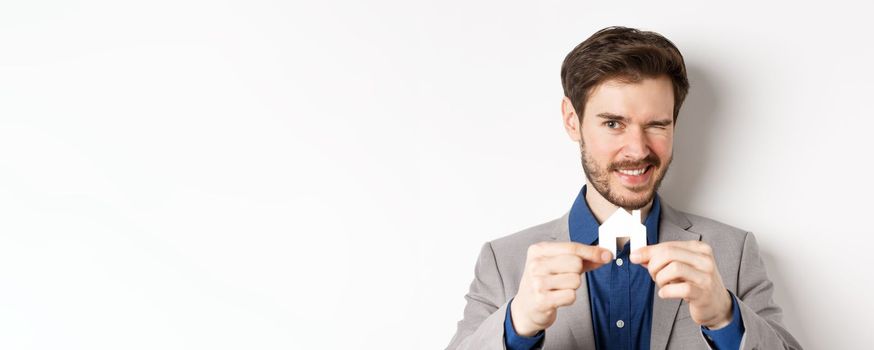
x=275 y=175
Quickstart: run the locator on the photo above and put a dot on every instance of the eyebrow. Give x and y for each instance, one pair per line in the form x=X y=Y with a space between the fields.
x=611 y=116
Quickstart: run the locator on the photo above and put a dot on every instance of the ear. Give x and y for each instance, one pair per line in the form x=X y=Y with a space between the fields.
x=570 y=120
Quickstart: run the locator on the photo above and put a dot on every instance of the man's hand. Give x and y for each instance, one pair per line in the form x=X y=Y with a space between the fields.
x=553 y=272
x=687 y=270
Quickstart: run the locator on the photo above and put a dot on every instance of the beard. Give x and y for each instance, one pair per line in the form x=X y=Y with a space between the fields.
x=601 y=177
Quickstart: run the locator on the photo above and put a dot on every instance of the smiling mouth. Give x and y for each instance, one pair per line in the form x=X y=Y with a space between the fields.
x=633 y=177
x=634 y=172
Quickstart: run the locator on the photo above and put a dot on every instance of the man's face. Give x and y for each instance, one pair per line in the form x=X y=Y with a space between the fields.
x=626 y=139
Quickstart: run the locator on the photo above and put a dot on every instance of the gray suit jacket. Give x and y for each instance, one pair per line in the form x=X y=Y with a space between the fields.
x=501 y=262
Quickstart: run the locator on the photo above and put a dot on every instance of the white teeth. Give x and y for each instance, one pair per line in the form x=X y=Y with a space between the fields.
x=632 y=172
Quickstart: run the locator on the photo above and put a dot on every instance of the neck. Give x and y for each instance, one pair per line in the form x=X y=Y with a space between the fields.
x=602 y=208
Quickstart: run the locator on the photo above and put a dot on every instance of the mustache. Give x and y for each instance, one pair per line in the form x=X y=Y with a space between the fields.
x=650 y=159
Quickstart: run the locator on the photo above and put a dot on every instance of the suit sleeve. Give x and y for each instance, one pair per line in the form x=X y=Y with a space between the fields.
x=762 y=318
x=482 y=326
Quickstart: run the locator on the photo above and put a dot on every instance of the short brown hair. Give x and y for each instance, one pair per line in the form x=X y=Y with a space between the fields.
x=622 y=53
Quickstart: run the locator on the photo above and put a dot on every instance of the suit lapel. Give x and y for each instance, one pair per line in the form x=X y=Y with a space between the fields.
x=672 y=227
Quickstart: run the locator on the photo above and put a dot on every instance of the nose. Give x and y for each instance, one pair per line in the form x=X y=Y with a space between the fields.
x=635 y=145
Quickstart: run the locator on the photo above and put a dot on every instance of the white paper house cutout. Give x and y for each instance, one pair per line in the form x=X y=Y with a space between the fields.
x=622 y=224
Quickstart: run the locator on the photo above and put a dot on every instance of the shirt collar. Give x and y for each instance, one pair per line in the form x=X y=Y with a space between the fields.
x=584 y=227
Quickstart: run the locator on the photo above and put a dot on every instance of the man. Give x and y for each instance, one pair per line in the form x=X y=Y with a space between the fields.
x=698 y=283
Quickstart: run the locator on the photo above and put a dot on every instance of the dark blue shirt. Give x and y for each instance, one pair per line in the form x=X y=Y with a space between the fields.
x=621 y=293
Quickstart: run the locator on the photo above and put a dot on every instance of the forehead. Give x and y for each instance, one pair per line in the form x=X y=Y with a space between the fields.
x=647 y=99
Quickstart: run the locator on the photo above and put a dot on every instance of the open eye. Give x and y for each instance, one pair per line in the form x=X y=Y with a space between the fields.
x=612 y=124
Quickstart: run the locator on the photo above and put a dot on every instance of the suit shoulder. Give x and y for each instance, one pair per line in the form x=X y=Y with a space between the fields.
x=519 y=241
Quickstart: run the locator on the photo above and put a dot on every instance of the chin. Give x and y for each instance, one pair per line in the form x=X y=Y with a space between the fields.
x=632 y=199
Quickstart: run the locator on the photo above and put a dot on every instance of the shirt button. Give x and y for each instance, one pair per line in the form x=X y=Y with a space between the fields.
x=619 y=262
x=620 y=323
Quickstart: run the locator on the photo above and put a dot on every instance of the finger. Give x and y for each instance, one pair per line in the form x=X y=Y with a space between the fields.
x=646 y=252
x=685 y=291
x=662 y=255
x=587 y=252
x=556 y=264
x=545 y=284
x=563 y=297
x=642 y=255
x=678 y=272
x=564 y=281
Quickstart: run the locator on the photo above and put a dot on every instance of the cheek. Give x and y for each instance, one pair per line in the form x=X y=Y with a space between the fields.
x=603 y=149
x=662 y=147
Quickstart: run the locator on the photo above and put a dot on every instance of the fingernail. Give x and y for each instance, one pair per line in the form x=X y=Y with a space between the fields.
x=605 y=256
x=634 y=255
